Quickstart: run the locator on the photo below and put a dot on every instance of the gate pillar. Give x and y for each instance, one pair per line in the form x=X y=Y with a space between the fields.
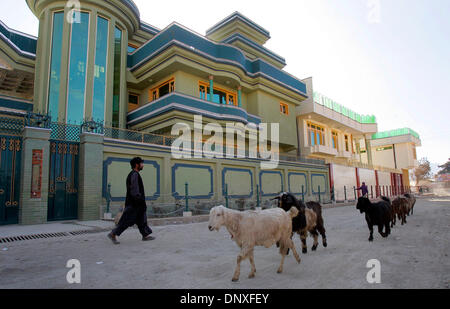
x=34 y=176
x=90 y=199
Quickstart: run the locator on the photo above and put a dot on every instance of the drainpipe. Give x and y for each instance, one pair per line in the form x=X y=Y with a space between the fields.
x=211 y=88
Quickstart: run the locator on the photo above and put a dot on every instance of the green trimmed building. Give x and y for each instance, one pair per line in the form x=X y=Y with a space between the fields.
x=100 y=86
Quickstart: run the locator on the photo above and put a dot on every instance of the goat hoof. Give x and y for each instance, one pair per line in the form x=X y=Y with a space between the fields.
x=279 y=271
x=314 y=248
x=235 y=280
x=251 y=276
x=325 y=245
x=371 y=239
x=305 y=251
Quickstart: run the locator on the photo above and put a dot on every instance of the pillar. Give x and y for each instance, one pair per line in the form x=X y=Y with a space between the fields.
x=218 y=184
x=211 y=88
x=90 y=177
x=369 y=152
x=240 y=96
x=166 y=180
x=33 y=210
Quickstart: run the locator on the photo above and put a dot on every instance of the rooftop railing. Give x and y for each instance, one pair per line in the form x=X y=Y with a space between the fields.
x=394 y=133
x=327 y=102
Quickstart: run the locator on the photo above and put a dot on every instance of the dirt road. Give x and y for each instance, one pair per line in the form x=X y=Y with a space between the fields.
x=189 y=256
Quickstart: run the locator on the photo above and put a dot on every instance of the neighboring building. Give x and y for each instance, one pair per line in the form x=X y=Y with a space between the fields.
x=350 y=143
x=80 y=100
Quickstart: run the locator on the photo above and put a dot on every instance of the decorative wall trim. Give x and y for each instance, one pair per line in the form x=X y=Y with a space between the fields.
x=261 y=183
x=110 y=160
x=228 y=169
x=179 y=196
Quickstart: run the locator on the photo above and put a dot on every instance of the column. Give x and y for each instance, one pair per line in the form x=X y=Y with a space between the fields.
x=240 y=96
x=33 y=210
x=369 y=152
x=218 y=184
x=166 y=180
x=90 y=177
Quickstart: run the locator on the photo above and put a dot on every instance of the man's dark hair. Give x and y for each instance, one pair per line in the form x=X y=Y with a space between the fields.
x=136 y=161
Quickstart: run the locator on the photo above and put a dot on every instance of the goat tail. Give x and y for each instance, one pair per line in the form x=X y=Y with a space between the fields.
x=293 y=212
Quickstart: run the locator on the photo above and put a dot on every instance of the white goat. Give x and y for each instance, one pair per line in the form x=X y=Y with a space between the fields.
x=256 y=228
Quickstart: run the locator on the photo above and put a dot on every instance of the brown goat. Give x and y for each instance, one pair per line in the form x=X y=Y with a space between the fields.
x=309 y=220
x=400 y=209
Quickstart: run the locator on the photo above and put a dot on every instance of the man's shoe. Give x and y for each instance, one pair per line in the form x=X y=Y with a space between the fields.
x=148 y=238
x=113 y=238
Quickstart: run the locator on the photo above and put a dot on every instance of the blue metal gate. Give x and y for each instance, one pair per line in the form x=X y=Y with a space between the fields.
x=10 y=166
x=63 y=185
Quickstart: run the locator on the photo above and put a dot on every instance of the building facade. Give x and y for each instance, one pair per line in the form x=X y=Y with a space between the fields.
x=99 y=86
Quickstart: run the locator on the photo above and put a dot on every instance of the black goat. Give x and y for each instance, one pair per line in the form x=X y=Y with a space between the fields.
x=378 y=213
x=309 y=219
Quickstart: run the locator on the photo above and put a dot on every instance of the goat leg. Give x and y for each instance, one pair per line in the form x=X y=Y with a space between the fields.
x=303 y=236
x=252 y=263
x=316 y=240
x=371 y=233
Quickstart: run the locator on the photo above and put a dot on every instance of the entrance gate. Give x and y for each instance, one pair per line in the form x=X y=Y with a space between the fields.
x=10 y=166
x=63 y=184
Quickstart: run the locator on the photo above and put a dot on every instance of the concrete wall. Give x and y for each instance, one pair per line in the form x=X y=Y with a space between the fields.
x=165 y=177
x=368 y=176
x=344 y=176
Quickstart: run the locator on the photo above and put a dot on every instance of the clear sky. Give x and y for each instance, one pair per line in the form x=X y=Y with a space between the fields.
x=390 y=58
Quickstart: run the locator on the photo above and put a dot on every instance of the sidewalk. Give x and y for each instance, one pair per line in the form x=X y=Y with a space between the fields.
x=52 y=228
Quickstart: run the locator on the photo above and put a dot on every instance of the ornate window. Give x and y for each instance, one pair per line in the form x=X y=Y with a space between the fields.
x=162 y=90
x=284 y=108
x=220 y=96
x=316 y=134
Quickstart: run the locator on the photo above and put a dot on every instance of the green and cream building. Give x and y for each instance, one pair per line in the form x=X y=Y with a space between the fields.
x=99 y=86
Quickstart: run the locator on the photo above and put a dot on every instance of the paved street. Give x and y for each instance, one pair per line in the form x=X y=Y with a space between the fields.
x=190 y=256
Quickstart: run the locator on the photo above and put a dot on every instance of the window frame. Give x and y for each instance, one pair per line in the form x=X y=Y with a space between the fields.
x=228 y=93
x=154 y=94
x=286 y=106
x=317 y=129
x=335 y=138
x=136 y=105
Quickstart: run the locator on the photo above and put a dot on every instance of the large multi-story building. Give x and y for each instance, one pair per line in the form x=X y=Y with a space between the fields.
x=99 y=86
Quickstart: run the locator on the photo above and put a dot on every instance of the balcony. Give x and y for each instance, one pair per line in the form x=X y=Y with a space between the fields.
x=320 y=150
x=176 y=101
x=344 y=154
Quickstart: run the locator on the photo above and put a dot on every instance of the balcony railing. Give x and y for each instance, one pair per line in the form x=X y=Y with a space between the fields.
x=167 y=141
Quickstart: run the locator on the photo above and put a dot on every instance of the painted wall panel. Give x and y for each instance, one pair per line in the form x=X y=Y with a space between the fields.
x=116 y=171
x=296 y=181
x=319 y=180
x=239 y=181
x=200 y=180
x=271 y=182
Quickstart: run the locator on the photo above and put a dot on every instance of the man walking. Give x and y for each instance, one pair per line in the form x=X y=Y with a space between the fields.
x=135 y=207
x=364 y=190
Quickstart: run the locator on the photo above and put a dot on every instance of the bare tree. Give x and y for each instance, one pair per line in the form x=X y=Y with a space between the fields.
x=445 y=169
x=423 y=171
